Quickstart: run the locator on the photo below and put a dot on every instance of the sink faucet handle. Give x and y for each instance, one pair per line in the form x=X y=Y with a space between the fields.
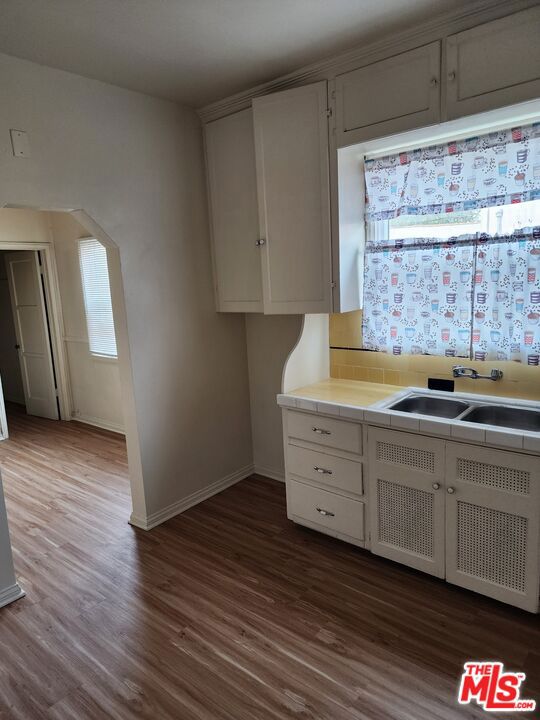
x=462 y=371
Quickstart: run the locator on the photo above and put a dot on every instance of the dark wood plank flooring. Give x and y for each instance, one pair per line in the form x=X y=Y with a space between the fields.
x=228 y=611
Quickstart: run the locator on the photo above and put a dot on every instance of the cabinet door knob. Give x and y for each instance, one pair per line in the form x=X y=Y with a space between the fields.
x=259 y=242
x=450 y=490
x=434 y=81
x=322 y=470
x=320 y=431
x=435 y=486
x=324 y=512
x=452 y=76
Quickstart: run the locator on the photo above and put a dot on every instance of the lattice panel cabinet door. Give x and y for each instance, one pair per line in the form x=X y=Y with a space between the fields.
x=406 y=499
x=492 y=523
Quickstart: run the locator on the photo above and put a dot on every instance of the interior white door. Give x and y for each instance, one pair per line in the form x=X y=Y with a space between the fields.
x=31 y=329
x=291 y=152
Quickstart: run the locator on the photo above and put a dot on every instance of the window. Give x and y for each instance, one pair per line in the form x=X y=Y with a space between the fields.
x=452 y=261
x=97 y=298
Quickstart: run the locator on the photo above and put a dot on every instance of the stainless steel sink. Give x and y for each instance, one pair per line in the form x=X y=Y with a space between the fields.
x=429 y=405
x=509 y=417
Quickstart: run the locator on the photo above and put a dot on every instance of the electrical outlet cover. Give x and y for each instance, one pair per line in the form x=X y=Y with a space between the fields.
x=20 y=143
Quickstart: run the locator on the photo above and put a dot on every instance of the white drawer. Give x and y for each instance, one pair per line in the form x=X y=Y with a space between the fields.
x=336 y=472
x=330 y=512
x=325 y=431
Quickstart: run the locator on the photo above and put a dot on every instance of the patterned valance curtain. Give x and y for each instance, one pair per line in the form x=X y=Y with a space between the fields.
x=475 y=295
x=499 y=168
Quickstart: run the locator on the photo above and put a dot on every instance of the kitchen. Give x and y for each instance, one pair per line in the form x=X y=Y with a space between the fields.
x=363 y=324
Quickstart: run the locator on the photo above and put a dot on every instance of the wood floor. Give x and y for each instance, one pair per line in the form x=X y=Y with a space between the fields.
x=228 y=611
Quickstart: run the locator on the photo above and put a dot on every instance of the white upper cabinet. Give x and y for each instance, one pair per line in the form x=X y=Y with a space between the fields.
x=390 y=96
x=291 y=149
x=232 y=187
x=493 y=65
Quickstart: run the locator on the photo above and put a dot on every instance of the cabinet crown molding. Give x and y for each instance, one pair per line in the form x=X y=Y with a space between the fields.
x=436 y=29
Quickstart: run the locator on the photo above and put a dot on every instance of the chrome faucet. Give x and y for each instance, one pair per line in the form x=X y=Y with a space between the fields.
x=461 y=371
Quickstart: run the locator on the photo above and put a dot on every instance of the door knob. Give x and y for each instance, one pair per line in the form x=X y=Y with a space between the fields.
x=435 y=486
x=450 y=490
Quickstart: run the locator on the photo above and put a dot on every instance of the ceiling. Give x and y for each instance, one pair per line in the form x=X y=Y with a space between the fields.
x=198 y=51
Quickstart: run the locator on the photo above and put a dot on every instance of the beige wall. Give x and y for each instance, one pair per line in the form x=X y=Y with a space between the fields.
x=95 y=382
x=10 y=371
x=270 y=339
x=135 y=165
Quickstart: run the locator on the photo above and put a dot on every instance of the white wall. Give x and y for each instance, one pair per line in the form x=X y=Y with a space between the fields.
x=135 y=165
x=270 y=339
x=95 y=382
x=10 y=370
x=9 y=589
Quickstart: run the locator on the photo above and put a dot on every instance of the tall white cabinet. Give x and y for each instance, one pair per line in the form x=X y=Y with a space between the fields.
x=268 y=183
x=232 y=190
x=291 y=151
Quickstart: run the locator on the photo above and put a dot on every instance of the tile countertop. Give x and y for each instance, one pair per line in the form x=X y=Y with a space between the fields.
x=360 y=400
x=344 y=392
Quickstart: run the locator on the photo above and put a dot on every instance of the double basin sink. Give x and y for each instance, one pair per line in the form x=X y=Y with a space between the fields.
x=492 y=414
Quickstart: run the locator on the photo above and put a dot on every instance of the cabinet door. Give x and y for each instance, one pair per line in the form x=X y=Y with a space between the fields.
x=492 y=521
x=406 y=499
x=291 y=147
x=389 y=96
x=230 y=162
x=495 y=64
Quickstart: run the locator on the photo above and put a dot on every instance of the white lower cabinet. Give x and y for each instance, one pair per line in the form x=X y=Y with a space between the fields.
x=333 y=514
x=406 y=475
x=492 y=523
x=324 y=468
x=467 y=513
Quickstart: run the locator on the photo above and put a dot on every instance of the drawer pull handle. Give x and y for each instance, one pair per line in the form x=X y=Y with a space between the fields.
x=320 y=431
x=326 y=513
x=321 y=470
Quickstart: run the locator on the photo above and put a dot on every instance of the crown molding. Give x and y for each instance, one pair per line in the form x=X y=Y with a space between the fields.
x=475 y=13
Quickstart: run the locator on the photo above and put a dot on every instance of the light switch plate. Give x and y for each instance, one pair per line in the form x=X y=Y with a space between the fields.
x=20 y=143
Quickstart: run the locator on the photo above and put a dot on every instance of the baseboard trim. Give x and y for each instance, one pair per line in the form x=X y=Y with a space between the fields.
x=96 y=422
x=10 y=594
x=161 y=516
x=278 y=475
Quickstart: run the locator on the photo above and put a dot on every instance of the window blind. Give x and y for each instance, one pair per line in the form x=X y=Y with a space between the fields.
x=97 y=297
